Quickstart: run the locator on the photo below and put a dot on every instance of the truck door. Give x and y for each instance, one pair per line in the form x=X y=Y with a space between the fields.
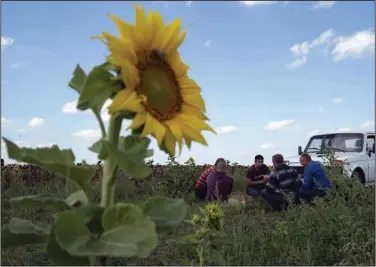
x=371 y=160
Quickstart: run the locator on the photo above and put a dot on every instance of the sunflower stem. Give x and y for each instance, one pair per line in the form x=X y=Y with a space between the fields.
x=101 y=124
x=110 y=166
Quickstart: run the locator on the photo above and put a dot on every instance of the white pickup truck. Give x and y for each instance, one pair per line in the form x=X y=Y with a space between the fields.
x=355 y=153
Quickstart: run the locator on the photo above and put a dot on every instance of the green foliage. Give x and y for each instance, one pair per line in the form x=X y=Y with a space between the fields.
x=130 y=155
x=337 y=231
x=22 y=232
x=82 y=230
x=55 y=160
x=45 y=201
x=165 y=212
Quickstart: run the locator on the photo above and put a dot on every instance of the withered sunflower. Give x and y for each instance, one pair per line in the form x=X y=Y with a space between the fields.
x=167 y=103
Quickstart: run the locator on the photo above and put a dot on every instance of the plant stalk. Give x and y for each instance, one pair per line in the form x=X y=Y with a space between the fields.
x=110 y=166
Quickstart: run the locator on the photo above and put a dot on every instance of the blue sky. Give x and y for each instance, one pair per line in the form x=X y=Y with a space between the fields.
x=272 y=73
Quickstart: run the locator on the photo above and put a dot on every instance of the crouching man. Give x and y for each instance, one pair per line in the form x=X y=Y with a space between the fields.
x=315 y=183
x=283 y=180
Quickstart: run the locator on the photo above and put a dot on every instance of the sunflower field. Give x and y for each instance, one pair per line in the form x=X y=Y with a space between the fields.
x=339 y=232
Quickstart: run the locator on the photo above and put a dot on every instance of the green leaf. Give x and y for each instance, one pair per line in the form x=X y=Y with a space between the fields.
x=98 y=148
x=78 y=80
x=131 y=157
x=165 y=212
x=60 y=256
x=216 y=257
x=77 y=198
x=94 y=224
x=136 y=237
x=55 y=160
x=186 y=239
x=136 y=232
x=23 y=232
x=45 y=201
x=99 y=86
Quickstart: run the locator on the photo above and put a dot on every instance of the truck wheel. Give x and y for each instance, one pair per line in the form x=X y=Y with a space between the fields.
x=359 y=175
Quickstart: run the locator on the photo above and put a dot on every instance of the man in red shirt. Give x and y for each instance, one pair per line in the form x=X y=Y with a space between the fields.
x=201 y=186
x=257 y=177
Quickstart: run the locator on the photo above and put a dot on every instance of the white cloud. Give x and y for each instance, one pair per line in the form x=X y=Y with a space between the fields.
x=274 y=125
x=368 y=124
x=337 y=100
x=266 y=146
x=296 y=63
x=257 y=3
x=360 y=44
x=226 y=129
x=340 y=130
x=188 y=3
x=301 y=50
x=6 y=42
x=21 y=130
x=323 y=4
x=70 y=107
x=44 y=145
x=314 y=132
x=104 y=112
x=207 y=43
x=88 y=133
x=35 y=122
x=19 y=65
x=5 y=121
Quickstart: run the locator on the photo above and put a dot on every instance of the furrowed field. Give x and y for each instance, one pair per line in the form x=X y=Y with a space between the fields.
x=337 y=231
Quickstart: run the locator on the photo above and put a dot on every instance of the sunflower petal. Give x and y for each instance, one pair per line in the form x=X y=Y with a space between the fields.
x=143 y=29
x=188 y=85
x=192 y=134
x=138 y=121
x=188 y=109
x=170 y=143
x=153 y=126
x=174 y=60
x=158 y=29
x=175 y=129
x=130 y=74
x=120 y=49
x=171 y=40
x=195 y=100
x=125 y=29
x=126 y=100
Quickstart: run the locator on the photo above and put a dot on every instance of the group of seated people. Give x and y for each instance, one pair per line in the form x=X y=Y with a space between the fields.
x=273 y=186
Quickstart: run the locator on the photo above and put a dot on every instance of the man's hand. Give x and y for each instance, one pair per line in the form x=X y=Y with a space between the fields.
x=266 y=178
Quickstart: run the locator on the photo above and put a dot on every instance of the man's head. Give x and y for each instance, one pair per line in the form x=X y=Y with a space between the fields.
x=305 y=159
x=259 y=161
x=221 y=165
x=277 y=160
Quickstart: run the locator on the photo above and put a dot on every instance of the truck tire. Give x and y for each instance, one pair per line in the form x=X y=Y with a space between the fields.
x=358 y=174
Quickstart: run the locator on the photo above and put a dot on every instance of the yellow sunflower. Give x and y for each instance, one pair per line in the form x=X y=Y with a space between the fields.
x=158 y=90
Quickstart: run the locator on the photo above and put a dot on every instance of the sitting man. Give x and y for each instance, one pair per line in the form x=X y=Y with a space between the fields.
x=283 y=180
x=315 y=181
x=219 y=183
x=257 y=177
x=200 y=185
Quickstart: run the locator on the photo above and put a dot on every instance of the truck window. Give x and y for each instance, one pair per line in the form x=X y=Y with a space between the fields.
x=370 y=141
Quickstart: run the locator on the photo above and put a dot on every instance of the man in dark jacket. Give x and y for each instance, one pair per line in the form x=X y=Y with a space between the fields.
x=219 y=184
x=257 y=177
x=283 y=180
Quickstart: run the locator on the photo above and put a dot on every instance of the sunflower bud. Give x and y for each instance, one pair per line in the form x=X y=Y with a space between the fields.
x=196 y=219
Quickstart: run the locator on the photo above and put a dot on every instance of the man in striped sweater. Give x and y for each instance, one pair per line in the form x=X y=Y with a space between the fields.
x=200 y=185
x=282 y=180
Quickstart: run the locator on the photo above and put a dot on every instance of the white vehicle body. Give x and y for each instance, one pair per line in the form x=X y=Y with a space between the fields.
x=354 y=151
